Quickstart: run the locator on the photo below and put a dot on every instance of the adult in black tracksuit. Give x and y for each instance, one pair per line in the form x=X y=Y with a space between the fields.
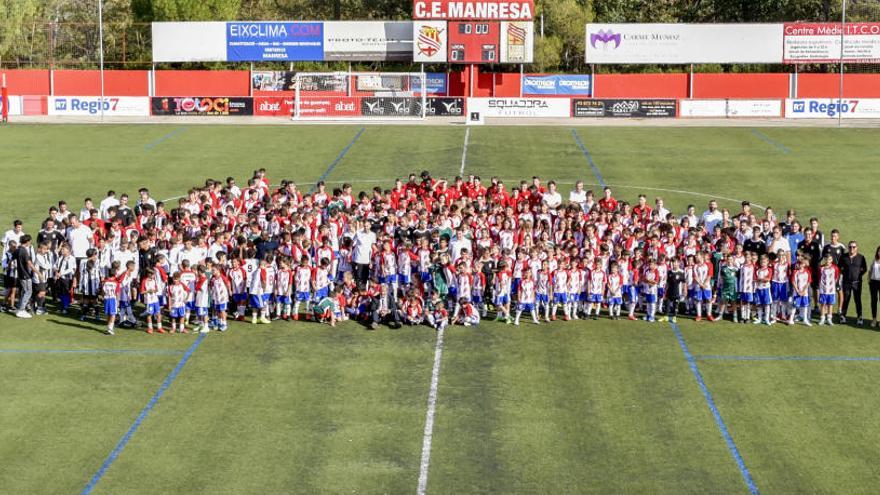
x=853 y=267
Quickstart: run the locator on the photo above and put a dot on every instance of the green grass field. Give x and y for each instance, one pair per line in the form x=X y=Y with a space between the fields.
x=586 y=407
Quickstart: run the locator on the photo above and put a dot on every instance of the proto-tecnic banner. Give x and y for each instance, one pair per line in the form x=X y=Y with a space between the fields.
x=474 y=10
x=820 y=42
x=683 y=43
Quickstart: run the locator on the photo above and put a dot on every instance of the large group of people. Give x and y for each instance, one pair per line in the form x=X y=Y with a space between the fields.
x=427 y=251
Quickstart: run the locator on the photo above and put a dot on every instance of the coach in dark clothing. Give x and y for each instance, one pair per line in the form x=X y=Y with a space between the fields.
x=146 y=256
x=853 y=267
x=265 y=245
x=810 y=246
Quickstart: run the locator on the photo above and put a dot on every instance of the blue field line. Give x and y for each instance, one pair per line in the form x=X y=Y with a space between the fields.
x=142 y=416
x=787 y=358
x=175 y=132
x=767 y=139
x=337 y=160
x=152 y=352
x=589 y=158
x=692 y=362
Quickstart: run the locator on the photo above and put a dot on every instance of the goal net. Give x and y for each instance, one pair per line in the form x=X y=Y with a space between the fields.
x=360 y=95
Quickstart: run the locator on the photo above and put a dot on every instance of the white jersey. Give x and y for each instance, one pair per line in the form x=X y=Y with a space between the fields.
x=283 y=282
x=256 y=287
x=747 y=279
x=780 y=272
x=219 y=291
x=597 y=283
x=527 y=292
x=302 y=279
x=542 y=283
x=150 y=290
x=188 y=279
x=203 y=293
x=110 y=288
x=828 y=277
x=615 y=285
x=560 y=282
x=763 y=273
x=177 y=295
x=238 y=279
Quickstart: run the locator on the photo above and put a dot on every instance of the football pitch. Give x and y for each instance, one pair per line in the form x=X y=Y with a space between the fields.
x=577 y=407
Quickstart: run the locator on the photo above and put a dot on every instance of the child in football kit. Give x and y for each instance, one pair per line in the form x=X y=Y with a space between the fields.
x=615 y=291
x=437 y=315
x=302 y=281
x=110 y=290
x=220 y=290
x=597 y=283
x=89 y=283
x=801 y=281
x=150 y=293
x=202 y=301
x=178 y=294
x=829 y=279
x=763 y=297
x=527 y=293
x=727 y=279
x=675 y=290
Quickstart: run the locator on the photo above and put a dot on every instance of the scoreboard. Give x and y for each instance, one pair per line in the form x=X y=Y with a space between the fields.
x=473 y=32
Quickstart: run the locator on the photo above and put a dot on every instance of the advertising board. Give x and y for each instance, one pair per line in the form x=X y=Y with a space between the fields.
x=631 y=108
x=202 y=106
x=520 y=107
x=114 y=106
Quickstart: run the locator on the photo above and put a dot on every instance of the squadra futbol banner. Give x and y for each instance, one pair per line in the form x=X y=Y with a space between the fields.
x=474 y=10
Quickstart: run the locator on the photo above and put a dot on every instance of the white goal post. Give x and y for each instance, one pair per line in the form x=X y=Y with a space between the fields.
x=360 y=95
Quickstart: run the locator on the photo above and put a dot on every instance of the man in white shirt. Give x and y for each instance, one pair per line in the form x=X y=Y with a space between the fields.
x=661 y=210
x=107 y=203
x=552 y=198
x=13 y=234
x=79 y=237
x=362 y=250
x=711 y=217
x=460 y=243
x=578 y=195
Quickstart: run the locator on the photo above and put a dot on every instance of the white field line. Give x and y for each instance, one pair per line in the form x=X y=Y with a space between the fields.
x=467 y=137
x=429 y=416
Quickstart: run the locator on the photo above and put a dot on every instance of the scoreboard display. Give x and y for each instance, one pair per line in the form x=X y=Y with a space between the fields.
x=474 y=42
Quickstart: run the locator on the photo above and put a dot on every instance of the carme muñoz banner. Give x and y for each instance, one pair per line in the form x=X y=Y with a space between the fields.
x=683 y=43
x=252 y=41
x=90 y=106
x=474 y=10
x=820 y=42
x=831 y=108
x=520 y=107
x=554 y=85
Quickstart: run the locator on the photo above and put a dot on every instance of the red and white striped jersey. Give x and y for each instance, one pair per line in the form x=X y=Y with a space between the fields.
x=747 y=278
x=828 y=277
x=763 y=277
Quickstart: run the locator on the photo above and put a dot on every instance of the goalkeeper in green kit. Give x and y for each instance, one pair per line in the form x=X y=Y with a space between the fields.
x=727 y=281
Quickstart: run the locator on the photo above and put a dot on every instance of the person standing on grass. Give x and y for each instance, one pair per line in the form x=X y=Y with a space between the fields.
x=853 y=267
x=874 y=286
x=711 y=217
x=811 y=247
x=12 y=235
x=362 y=250
x=26 y=270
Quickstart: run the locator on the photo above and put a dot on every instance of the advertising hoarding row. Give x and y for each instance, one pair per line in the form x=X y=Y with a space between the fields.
x=282 y=41
x=318 y=106
x=732 y=43
x=436 y=83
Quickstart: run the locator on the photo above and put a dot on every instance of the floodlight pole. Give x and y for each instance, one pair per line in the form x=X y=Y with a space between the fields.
x=101 y=51
x=842 y=40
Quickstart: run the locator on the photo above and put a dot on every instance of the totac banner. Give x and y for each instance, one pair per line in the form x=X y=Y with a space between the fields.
x=91 y=106
x=624 y=108
x=430 y=41
x=274 y=41
x=730 y=108
x=474 y=10
x=819 y=43
x=202 y=106
x=520 y=107
x=368 y=41
x=831 y=108
x=683 y=43
x=266 y=80
x=274 y=106
x=555 y=85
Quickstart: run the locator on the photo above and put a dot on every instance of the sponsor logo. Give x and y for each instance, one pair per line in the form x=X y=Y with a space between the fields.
x=605 y=37
x=400 y=107
x=61 y=104
x=374 y=108
x=429 y=41
x=625 y=106
x=452 y=107
x=799 y=106
x=522 y=103
x=345 y=107
x=92 y=106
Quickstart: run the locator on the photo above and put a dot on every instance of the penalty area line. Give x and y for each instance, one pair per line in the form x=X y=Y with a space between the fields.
x=429 y=416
